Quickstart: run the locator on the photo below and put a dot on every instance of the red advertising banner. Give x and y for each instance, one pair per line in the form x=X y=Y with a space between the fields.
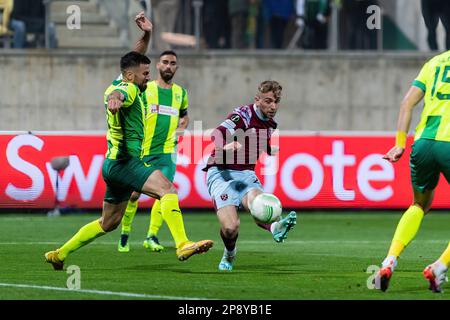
x=311 y=171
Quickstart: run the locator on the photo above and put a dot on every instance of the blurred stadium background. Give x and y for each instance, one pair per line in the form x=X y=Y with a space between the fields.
x=342 y=85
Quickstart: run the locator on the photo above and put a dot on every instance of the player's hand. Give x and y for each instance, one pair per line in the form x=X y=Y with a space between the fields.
x=233 y=146
x=274 y=150
x=394 y=154
x=143 y=22
x=179 y=132
x=114 y=104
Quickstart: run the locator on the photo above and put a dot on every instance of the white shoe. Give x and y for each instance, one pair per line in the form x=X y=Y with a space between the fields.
x=383 y=276
x=436 y=274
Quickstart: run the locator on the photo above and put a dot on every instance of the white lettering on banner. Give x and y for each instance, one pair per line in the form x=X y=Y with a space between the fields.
x=200 y=179
x=287 y=176
x=338 y=160
x=182 y=181
x=365 y=175
x=85 y=184
x=33 y=172
x=269 y=171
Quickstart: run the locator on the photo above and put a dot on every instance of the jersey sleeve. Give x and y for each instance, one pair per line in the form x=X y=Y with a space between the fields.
x=421 y=80
x=130 y=92
x=184 y=104
x=233 y=122
x=224 y=133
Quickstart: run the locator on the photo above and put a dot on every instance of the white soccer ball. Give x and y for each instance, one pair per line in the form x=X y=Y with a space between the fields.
x=266 y=208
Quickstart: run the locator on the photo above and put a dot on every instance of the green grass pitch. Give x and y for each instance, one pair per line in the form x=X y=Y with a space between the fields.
x=325 y=257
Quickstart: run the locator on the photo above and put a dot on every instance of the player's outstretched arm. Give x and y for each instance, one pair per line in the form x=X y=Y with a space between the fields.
x=145 y=25
x=411 y=99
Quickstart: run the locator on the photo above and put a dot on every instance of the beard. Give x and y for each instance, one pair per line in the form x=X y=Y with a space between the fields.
x=142 y=87
x=166 y=76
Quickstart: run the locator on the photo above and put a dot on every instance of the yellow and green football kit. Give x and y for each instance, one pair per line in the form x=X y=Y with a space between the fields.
x=430 y=154
x=123 y=170
x=165 y=107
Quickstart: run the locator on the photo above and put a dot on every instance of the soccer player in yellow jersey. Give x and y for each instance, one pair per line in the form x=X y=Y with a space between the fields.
x=123 y=169
x=430 y=156
x=168 y=104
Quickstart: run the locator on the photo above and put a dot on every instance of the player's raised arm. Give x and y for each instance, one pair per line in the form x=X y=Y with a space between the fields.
x=411 y=99
x=145 y=25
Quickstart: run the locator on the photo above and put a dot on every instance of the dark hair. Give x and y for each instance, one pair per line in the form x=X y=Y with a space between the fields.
x=133 y=59
x=168 y=52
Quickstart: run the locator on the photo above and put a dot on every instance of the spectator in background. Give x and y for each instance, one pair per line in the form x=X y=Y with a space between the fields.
x=164 y=14
x=238 y=11
x=19 y=28
x=313 y=16
x=354 y=31
x=32 y=15
x=216 y=24
x=432 y=11
x=279 y=12
x=262 y=23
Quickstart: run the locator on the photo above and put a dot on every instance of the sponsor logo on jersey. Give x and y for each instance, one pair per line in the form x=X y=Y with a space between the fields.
x=166 y=110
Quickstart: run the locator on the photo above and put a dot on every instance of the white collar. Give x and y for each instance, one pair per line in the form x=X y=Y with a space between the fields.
x=259 y=113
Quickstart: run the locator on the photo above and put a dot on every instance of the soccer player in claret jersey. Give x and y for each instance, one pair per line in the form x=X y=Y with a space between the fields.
x=430 y=156
x=231 y=177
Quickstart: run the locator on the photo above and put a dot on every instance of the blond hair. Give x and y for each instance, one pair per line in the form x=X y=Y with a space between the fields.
x=270 y=86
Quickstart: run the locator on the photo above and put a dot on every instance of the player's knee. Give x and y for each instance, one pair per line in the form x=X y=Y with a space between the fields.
x=230 y=231
x=135 y=196
x=168 y=188
x=110 y=224
x=425 y=208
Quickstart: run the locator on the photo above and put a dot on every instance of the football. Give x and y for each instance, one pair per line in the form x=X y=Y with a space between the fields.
x=266 y=208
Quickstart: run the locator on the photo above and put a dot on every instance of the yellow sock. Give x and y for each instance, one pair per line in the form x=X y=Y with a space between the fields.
x=171 y=213
x=406 y=230
x=128 y=217
x=86 y=234
x=445 y=258
x=156 y=219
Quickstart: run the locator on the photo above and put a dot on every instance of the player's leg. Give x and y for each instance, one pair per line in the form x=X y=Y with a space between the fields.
x=118 y=191
x=280 y=228
x=127 y=221
x=223 y=191
x=424 y=178
x=159 y=187
x=229 y=232
x=167 y=163
x=436 y=273
x=111 y=216
x=151 y=242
